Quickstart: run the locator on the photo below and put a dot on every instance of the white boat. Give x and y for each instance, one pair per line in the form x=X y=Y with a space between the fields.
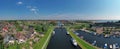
x=53 y=32
x=115 y=46
x=105 y=46
x=111 y=47
x=67 y=33
x=74 y=42
x=77 y=33
x=94 y=43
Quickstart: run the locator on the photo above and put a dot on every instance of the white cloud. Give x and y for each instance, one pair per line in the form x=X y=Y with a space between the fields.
x=19 y=2
x=33 y=9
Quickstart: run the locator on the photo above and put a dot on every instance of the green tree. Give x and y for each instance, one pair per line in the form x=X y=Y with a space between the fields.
x=1 y=42
x=38 y=28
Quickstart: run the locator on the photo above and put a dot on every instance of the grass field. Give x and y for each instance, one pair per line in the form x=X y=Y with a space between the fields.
x=42 y=44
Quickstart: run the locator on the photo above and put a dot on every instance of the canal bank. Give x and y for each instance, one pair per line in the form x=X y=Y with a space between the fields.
x=83 y=44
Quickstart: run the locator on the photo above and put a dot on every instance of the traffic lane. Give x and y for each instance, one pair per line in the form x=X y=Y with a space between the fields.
x=100 y=40
x=60 y=40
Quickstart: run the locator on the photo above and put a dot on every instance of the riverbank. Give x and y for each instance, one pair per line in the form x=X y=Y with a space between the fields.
x=81 y=43
x=42 y=44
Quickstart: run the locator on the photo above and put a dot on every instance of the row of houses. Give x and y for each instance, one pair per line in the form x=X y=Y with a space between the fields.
x=20 y=37
x=8 y=31
x=113 y=28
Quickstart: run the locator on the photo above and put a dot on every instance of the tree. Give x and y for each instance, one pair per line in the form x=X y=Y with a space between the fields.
x=19 y=28
x=1 y=42
x=38 y=28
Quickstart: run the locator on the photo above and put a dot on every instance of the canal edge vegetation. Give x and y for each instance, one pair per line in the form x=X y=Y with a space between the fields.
x=83 y=44
x=48 y=38
x=42 y=44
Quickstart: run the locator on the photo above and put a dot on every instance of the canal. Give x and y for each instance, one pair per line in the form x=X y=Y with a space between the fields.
x=60 y=40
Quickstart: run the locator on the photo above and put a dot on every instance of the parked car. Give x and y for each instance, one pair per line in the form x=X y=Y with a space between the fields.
x=73 y=41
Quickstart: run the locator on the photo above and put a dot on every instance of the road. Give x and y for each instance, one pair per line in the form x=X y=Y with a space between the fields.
x=60 y=40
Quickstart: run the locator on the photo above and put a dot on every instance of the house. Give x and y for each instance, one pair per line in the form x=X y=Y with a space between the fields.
x=20 y=38
x=8 y=39
x=107 y=26
x=5 y=29
x=21 y=41
x=41 y=35
x=30 y=33
x=12 y=40
x=36 y=39
x=99 y=30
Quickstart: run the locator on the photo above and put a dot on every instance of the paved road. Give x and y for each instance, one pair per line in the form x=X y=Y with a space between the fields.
x=60 y=40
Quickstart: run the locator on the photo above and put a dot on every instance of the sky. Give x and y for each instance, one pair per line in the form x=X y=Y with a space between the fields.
x=60 y=9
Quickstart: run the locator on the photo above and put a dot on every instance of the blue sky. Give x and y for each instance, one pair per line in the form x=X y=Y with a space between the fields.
x=60 y=9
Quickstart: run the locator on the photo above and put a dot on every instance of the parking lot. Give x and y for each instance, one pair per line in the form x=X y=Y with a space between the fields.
x=98 y=40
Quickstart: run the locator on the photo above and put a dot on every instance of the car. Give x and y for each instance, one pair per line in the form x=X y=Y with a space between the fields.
x=74 y=42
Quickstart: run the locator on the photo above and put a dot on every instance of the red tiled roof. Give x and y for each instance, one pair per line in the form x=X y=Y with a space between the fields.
x=5 y=28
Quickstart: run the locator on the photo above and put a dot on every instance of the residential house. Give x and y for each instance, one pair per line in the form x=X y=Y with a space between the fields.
x=8 y=39
x=103 y=27
x=99 y=30
x=5 y=29
x=20 y=38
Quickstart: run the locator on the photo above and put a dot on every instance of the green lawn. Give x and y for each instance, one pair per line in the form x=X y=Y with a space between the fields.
x=83 y=44
x=42 y=44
